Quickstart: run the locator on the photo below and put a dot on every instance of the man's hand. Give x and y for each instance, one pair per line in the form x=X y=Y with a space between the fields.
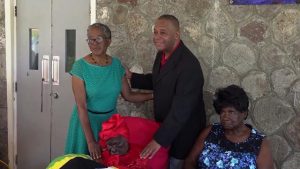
x=150 y=150
x=128 y=73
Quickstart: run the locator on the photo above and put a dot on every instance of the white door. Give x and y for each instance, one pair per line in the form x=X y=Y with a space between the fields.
x=50 y=35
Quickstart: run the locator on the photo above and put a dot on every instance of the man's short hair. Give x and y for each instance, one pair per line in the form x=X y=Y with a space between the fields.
x=171 y=18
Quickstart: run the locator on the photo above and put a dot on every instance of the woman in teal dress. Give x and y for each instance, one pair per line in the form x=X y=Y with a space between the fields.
x=97 y=81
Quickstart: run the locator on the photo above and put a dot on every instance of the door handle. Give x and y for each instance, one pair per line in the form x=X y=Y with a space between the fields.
x=45 y=77
x=55 y=70
x=54 y=95
x=45 y=69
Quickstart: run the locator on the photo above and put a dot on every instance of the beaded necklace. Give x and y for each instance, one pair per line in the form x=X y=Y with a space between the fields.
x=99 y=63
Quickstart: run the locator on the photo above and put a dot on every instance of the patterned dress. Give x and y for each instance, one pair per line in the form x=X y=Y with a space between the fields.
x=103 y=86
x=219 y=152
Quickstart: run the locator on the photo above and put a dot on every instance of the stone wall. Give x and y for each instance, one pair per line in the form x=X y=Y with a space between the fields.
x=256 y=47
x=3 y=105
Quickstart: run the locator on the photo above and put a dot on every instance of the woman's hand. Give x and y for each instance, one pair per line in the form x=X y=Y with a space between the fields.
x=95 y=151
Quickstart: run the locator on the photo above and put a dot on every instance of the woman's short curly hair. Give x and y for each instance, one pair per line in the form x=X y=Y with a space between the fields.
x=231 y=96
x=103 y=28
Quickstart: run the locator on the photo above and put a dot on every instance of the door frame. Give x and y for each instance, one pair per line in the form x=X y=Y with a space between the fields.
x=10 y=49
x=11 y=74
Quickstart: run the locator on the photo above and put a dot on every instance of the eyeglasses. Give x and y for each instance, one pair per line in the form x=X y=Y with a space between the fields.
x=99 y=39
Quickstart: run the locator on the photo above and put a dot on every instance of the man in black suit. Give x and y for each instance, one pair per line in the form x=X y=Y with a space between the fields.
x=177 y=84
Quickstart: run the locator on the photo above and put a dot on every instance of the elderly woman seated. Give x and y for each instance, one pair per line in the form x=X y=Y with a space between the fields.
x=123 y=138
x=231 y=143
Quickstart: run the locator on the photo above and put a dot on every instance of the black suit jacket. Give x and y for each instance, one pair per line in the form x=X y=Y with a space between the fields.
x=178 y=99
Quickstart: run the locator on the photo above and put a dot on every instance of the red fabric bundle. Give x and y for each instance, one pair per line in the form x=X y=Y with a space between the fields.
x=139 y=132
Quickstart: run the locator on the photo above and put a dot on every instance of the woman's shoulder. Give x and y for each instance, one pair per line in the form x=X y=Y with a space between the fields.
x=205 y=132
x=208 y=128
x=255 y=132
x=116 y=59
x=117 y=62
x=216 y=127
x=213 y=132
x=79 y=61
x=77 y=65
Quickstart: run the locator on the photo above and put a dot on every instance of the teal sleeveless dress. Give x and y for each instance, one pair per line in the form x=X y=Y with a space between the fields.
x=103 y=86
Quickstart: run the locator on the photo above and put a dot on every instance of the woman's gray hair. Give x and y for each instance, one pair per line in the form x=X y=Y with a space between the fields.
x=103 y=28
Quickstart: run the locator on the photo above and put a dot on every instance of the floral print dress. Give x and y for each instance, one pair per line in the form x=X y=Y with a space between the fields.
x=219 y=152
